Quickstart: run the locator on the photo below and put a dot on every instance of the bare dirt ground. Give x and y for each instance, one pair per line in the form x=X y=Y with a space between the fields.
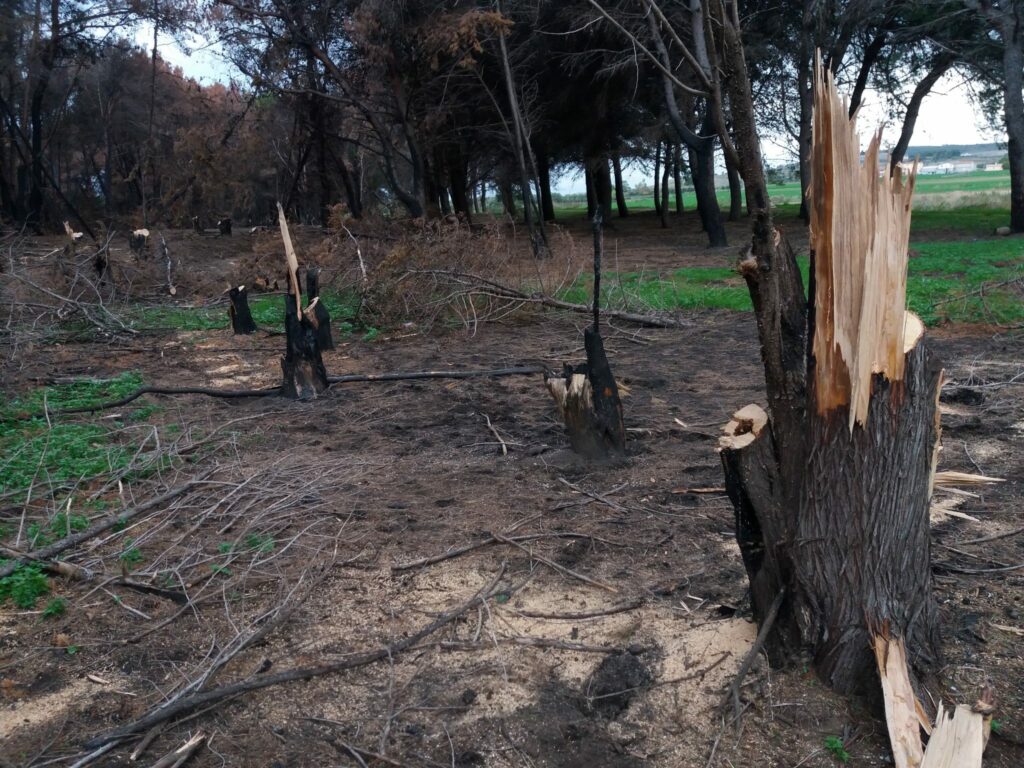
x=616 y=619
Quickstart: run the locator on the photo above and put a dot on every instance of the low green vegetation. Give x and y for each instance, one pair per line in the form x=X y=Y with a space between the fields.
x=25 y=586
x=948 y=281
x=835 y=747
x=39 y=453
x=267 y=311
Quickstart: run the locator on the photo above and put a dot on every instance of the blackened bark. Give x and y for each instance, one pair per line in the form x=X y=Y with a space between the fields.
x=665 y=171
x=508 y=199
x=305 y=377
x=224 y=226
x=602 y=181
x=242 y=323
x=735 y=191
x=702 y=169
x=657 y=179
x=1013 y=110
x=677 y=175
x=322 y=316
x=547 y=204
x=588 y=180
x=458 y=181
x=620 y=192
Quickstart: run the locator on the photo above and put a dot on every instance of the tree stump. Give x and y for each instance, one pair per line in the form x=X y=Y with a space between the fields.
x=137 y=241
x=588 y=399
x=197 y=225
x=224 y=226
x=241 y=318
x=831 y=493
x=305 y=377
x=321 y=315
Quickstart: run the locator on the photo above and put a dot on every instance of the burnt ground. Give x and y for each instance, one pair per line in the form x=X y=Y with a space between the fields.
x=374 y=476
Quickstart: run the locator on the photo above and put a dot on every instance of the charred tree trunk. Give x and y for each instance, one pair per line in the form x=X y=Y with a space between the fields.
x=242 y=323
x=602 y=181
x=831 y=493
x=665 y=172
x=588 y=181
x=735 y=191
x=620 y=192
x=677 y=176
x=586 y=394
x=657 y=179
x=224 y=226
x=547 y=203
x=305 y=377
x=197 y=225
x=302 y=365
x=320 y=313
x=508 y=198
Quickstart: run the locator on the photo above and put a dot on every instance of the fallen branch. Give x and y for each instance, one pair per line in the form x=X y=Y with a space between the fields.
x=504 y=292
x=270 y=391
x=755 y=649
x=632 y=605
x=492 y=539
x=555 y=566
x=48 y=552
x=185 y=704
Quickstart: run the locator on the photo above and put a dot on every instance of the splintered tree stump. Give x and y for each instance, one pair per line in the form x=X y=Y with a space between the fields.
x=224 y=226
x=588 y=399
x=241 y=318
x=320 y=314
x=831 y=490
x=138 y=240
x=305 y=377
x=197 y=225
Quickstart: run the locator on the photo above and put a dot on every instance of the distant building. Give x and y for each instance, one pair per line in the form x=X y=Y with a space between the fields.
x=993 y=166
x=940 y=169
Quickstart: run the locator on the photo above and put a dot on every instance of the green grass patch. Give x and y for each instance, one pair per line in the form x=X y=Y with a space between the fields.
x=938 y=272
x=35 y=452
x=23 y=587
x=267 y=311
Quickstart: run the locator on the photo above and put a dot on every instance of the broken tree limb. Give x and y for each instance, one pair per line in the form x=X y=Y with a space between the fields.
x=242 y=323
x=504 y=292
x=162 y=714
x=353 y=378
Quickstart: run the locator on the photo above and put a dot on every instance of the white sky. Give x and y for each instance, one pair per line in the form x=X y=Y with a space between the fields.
x=947 y=114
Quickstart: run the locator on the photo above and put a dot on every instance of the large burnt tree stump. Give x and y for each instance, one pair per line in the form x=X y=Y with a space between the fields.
x=302 y=365
x=831 y=491
x=241 y=317
x=587 y=394
x=305 y=377
x=224 y=226
x=320 y=313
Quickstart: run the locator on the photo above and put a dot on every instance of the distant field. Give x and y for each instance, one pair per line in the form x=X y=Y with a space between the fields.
x=933 y=192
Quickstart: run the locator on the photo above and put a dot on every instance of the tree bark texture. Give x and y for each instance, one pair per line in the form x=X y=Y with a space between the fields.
x=657 y=179
x=620 y=192
x=677 y=176
x=665 y=173
x=242 y=323
x=320 y=313
x=831 y=492
x=305 y=377
x=1013 y=108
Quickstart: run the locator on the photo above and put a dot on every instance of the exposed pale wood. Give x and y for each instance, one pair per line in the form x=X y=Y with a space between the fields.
x=958 y=740
x=860 y=228
x=746 y=424
x=948 y=477
x=293 y=261
x=901 y=706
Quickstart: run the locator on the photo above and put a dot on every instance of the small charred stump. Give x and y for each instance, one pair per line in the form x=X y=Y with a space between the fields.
x=320 y=313
x=241 y=318
x=137 y=241
x=224 y=226
x=305 y=377
x=588 y=399
x=197 y=225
